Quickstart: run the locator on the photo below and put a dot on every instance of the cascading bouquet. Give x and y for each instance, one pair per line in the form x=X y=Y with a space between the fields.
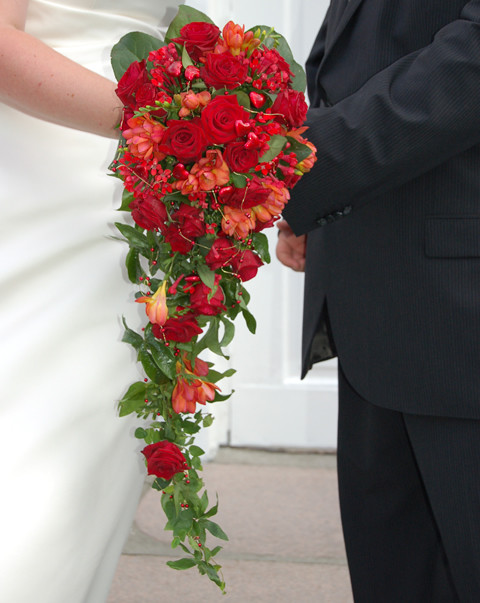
x=211 y=141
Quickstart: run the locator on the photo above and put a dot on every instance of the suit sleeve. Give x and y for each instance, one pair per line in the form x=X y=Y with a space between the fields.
x=407 y=119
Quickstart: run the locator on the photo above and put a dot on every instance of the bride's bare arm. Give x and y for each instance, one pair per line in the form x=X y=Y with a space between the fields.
x=39 y=81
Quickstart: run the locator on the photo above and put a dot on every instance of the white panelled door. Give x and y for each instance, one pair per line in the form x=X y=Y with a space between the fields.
x=271 y=407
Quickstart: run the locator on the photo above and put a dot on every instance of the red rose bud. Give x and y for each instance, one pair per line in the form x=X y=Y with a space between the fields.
x=221 y=253
x=200 y=302
x=164 y=459
x=252 y=141
x=181 y=329
x=257 y=99
x=192 y=73
x=179 y=172
x=291 y=107
x=242 y=128
x=131 y=81
x=246 y=265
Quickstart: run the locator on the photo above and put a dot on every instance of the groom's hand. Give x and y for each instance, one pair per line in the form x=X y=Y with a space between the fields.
x=290 y=248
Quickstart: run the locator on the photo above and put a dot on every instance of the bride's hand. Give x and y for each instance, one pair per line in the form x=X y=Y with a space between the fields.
x=290 y=248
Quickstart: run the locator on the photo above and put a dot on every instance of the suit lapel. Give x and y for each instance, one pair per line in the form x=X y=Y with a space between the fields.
x=350 y=9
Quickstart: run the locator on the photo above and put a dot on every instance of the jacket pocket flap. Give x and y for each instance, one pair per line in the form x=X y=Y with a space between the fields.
x=452 y=237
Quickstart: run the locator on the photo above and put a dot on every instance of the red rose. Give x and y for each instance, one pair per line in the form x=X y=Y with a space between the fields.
x=221 y=253
x=149 y=212
x=177 y=241
x=219 y=118
x=240 y=159
x=164 y=459
x=183 y=328
x=185 y=139
x=130 y=82
x=198 y=38
x=246 y=264
x=223 y=71
x=292 y=106
x=241 y=198
x=190 y=221
x=199 y=302
x=145 y=95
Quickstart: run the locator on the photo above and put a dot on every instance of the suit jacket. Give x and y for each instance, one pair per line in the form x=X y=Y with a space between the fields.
x=392 y=206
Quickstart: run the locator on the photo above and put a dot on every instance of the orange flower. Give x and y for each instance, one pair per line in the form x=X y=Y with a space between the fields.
x=143 y=137
x=235 y=39
x=238 y=222
x=275 y=203
x=187 y=391
x=156 y=305
x=191 y=101
x=211 y=171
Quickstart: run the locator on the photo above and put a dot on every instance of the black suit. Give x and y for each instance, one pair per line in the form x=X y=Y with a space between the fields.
x=392 y=208
x=392 y=286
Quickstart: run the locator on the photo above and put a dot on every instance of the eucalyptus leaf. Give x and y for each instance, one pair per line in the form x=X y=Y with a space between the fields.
x=239 y=180
x=132 y=263
x=243 y=99
x=134 y=46
x=196 y=450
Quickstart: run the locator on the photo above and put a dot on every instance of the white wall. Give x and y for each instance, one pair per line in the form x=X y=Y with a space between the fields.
x=271 y=407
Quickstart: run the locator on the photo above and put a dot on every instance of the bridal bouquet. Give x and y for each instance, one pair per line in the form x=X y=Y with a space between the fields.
x=211 y=142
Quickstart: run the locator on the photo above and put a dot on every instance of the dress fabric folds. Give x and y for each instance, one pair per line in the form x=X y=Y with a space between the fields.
x=70 y=468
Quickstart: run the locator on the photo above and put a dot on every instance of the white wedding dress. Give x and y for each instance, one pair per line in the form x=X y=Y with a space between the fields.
x=70 y=468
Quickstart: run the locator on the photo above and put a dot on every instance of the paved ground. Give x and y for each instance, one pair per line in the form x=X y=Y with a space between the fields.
x=280 y=511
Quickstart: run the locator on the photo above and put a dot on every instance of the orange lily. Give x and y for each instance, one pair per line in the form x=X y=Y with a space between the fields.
x=156 y=305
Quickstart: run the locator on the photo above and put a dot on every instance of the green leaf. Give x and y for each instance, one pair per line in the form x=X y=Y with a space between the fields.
x=140 y=433
x=186 y=14
x=134 y=268
x=127 y=198
x=134 y=399
x=134 y=46
x=182 y=564
x=276 y=144
x=243 y=99
x=186 y=60
x=239 y=180
x=131 y=337
x=133 y=236
x=221 y=397
x=207 y=276
x=214 y=529
x=260 y=243
x=160 y=483
x=302 y=151
x=162 y=356
x=150 y=366
x=229 y=331
x=196 y=450
x=250 y=320
x=214 y=376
